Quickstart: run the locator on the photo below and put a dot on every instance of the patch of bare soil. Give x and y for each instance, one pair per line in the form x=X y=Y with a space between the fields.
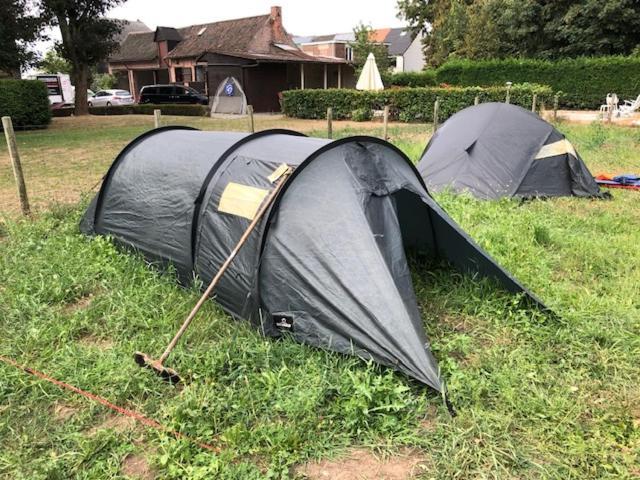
x=430 y=420
x=363 y=465
x=78 y=304
x=117 y=423
x=137 y=466
x=96 y=342
x=62 y=412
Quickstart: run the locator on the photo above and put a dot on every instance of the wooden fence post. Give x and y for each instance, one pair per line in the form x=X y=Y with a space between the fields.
x=385 y=123
x=555 y=107
x=436 y=111
x=329 y=122
x=252 y=127
x=476 y=101
x=12 y=146
x=157 y=115
x=534 y=100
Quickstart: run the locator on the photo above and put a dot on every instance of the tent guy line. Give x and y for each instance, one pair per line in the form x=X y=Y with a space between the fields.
x=137 y=416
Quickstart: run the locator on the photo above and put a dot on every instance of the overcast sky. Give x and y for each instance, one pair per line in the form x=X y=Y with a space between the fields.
x=300 y=17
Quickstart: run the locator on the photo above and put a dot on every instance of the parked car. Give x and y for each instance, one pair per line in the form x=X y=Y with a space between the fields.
x=171 y=94
x=106 y=98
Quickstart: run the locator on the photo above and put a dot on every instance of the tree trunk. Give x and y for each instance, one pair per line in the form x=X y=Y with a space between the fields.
x=81 y=78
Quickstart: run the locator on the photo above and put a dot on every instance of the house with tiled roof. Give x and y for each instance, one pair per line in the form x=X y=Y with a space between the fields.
x=257 y=51
x=404 y=48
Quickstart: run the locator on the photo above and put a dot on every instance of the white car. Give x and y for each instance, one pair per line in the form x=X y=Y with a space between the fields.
x=106 y=98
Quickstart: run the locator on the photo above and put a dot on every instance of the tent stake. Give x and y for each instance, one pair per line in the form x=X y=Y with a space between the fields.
x=169 y=374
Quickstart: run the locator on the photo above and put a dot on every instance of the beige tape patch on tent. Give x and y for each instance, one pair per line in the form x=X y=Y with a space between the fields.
x=241 y=200
x=561 y=147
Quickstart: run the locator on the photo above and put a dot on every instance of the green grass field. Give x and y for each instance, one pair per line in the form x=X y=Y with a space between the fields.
x=537 y=397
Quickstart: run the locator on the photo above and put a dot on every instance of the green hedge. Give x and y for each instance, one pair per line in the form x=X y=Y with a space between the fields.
x=406 y=104
x=583 y=83
x=147 y=109
x=426 y=78
x=26 y=102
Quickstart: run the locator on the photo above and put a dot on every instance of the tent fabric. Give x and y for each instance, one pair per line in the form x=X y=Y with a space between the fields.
x=496 y=150
x=327 y=265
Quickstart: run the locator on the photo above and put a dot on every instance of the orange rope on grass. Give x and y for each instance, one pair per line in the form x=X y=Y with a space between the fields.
x=103 y=401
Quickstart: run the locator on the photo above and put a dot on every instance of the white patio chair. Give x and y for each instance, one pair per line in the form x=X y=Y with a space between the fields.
x=630 y=107
x=611 y=107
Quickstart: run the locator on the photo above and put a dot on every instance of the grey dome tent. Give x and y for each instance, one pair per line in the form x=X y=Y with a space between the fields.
x=327 y=264
x=496 y=150
x=229 y=98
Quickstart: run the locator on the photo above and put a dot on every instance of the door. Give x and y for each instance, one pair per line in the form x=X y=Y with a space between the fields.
x=165 y=95
x=183 y=95
x=100 y=99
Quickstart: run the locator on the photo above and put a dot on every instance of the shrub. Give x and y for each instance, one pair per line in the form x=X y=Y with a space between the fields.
x=584 y=82
x=147 y=109
x=426 y=78
x=361 y=114
x=103 y=81
x=26 y=102
x=406 y=104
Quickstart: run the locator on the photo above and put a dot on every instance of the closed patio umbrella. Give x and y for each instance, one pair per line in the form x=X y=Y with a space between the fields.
x=370 y=76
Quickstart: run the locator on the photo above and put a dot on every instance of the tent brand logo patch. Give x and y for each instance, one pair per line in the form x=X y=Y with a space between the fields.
x=283 y=322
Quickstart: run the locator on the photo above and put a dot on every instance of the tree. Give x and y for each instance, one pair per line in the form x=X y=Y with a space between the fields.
x=103 y=81
x=54 y=63
x=20 y=27
x=446 y=38
x=87 y=38
x=523 y=28
x=364 y=44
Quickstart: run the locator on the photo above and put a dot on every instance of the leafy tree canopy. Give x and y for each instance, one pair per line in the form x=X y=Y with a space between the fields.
x=480 y=29
x=87 y=38
x=20 y=26
x=364 y=44
x=54 y=63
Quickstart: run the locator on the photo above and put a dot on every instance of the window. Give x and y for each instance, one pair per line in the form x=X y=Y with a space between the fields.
x=348 y=53
x=166 y=90
x=201 y=72
x=150 y=90
x=183 y=75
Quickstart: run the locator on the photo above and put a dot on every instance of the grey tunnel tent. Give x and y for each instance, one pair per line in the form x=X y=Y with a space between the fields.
x=328 y=263
x=496 y=150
